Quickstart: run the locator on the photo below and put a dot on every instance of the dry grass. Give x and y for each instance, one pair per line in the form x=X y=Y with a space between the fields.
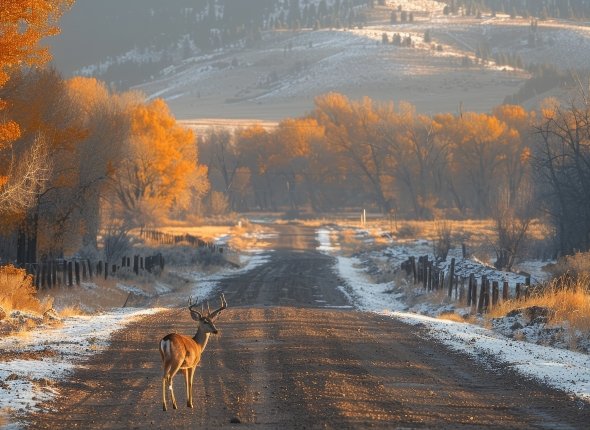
x=451 y=316
x=17 y=291
x=569 y=298
x=575 y=265
x=71 y=311
x=69 y=301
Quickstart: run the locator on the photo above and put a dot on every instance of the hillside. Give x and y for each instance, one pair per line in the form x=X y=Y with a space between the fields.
x=260 y=62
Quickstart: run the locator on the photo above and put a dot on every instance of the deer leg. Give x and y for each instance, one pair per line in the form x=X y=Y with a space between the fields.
x=188 y=392
x=170 y=379
x=191 y=374
x=164 y=380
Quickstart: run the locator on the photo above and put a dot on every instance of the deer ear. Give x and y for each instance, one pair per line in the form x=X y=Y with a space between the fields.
x=196 y=316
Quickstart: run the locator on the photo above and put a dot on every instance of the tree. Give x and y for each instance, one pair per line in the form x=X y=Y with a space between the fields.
x=353 y=131
x=562 y=165
x=160 y=168
x=23 y=23
x=39 y=104
x=420 y=158
x=219 y=151
x=105 y=118
x=512 y=216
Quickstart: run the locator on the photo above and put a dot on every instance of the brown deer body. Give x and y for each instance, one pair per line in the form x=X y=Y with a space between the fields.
x=180 y=352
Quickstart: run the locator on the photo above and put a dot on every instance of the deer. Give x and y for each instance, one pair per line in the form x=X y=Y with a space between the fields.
x=180 y=352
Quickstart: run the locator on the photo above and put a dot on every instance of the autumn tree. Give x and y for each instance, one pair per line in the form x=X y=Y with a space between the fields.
x=105 y=120
x=353 y=129
x=159 y=172
x=254 y=142
x=419 y=158
x=39 y=104
x=479 y=153
x=22 y=26
x=220 y=153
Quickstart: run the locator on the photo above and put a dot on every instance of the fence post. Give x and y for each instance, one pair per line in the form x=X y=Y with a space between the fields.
x=64 y=269
x=77 y=272
x=136 y=264
x=70 y=275
x=425 y=263
x=43 y=268
x=54 y=274
x=473 y=285
x=518 y=292
x=413 y=261
x=505 y=291
x=451 y=277
x=495 y=293
x=482 y=294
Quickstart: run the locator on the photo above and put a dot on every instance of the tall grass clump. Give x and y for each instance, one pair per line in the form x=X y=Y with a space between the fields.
x=568 y=297
x=17 y=291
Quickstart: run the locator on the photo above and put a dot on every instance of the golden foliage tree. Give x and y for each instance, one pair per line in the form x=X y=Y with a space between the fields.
x=160 y=171
x=354 y=130
x=23 y=24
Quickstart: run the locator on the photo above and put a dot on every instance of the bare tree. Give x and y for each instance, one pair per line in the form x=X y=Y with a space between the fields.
x=443 y=241
x=563 y=166
x=27 y=175
x=513 y=216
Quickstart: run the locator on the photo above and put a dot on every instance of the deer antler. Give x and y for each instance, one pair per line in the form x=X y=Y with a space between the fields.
x=216 y=312
x=194 y=312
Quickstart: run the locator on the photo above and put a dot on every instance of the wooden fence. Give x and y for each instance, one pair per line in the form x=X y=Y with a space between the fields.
x=162 y=238
x=479 y=294
x=57 y=273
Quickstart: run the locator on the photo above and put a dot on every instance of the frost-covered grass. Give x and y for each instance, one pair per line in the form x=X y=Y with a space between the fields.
x=558 y=367
x=32 y=362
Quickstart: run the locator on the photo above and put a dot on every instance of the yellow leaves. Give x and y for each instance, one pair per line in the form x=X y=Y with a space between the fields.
x=526 y=155
x=88 y=92
x=9 y=132
x=164 y=154
x=295 y=136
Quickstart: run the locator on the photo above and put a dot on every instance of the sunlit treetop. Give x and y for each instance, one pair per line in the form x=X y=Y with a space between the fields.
x=23 y=24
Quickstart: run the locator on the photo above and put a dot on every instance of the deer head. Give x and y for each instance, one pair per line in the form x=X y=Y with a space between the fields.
x=206 y=320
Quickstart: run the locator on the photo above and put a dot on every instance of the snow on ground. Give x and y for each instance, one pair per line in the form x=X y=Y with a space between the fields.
x=32 y=361
x=562 y=369
x=205 y=285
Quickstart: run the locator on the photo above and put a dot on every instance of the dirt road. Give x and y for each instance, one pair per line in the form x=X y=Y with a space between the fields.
x=291 y=355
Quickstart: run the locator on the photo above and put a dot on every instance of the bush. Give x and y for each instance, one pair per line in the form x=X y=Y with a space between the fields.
x=567 y=299
x=575 y=266
x=17 y=291
x=442 y=242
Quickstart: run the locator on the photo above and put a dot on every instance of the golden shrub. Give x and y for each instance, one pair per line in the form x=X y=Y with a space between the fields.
x=17 y=290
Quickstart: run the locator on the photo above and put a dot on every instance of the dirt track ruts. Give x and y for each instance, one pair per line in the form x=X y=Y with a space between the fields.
x=285 y=360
